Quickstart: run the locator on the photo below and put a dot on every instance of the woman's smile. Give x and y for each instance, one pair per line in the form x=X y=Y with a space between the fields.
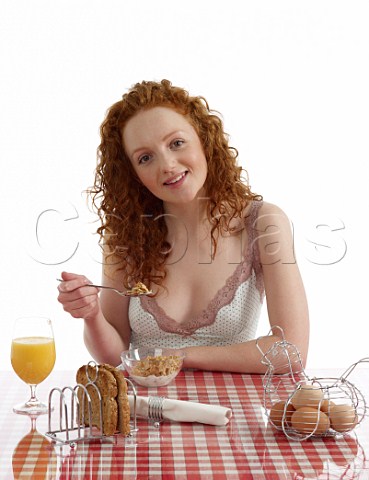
x=177 y=180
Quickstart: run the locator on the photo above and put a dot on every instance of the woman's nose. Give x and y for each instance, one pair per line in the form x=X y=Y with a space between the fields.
x=167 y=161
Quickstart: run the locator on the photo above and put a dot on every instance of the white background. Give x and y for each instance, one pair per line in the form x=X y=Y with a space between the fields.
x=291 y=80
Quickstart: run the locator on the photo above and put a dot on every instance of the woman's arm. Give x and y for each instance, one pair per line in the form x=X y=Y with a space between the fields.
x=105 y=315
x=285 y=297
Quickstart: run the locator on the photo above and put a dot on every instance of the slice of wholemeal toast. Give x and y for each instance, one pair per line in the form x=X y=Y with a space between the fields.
x=122 y=400
x=107 y=386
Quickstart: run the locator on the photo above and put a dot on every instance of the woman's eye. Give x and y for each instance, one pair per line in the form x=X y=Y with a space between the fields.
x=143 y=159
x=177 y=143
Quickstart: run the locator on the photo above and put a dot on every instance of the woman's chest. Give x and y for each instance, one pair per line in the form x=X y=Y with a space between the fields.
x=194 y=282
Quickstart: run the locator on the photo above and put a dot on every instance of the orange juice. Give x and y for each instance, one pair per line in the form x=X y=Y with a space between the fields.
x=33 y=358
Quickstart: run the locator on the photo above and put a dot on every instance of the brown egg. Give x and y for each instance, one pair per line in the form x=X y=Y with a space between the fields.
x=326 y=406
x=277 y=412
x=343 y=417
x=309 y=420
x=307 y=396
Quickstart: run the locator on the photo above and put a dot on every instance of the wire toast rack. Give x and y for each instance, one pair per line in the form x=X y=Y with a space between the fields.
x=304 y=407
x=70 y=421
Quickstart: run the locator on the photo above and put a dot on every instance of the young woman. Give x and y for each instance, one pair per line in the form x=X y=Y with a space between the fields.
x=176 y=215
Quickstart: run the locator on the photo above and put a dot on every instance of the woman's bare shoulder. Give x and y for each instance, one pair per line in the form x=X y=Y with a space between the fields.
x=275 y=234
x=270 y=214
x=270 y=208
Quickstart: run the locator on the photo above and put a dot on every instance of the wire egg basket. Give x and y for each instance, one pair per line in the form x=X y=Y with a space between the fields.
x=304 y=407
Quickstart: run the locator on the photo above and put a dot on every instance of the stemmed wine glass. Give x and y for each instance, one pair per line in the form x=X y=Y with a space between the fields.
x=33 y=358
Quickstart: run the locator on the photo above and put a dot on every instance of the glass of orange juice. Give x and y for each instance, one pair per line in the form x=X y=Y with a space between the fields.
x=33 y=358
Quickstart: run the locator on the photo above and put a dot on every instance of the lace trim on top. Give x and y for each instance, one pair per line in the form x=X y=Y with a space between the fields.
x=225 y=295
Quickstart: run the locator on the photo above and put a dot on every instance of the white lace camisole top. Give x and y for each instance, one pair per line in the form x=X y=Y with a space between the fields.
x=231 y=317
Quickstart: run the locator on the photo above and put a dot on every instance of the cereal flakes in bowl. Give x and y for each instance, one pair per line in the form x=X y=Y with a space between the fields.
x=152 y=367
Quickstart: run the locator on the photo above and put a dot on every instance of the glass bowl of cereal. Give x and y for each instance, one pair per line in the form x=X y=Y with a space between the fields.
x=152 y=367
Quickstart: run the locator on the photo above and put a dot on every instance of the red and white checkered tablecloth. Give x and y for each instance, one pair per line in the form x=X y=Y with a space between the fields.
x=247 y=448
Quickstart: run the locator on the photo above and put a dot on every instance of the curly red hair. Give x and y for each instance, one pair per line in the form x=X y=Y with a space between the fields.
x=133 y=228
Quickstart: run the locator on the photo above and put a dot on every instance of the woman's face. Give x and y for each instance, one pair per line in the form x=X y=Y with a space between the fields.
x=166 y=153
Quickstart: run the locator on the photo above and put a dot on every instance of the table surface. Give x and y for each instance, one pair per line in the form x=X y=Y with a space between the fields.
x=248 y=447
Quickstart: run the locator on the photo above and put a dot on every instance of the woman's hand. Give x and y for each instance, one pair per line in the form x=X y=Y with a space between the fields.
x=103 y=335
x=78 y=299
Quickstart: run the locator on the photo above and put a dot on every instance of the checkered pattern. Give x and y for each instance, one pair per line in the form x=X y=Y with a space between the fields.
x=247 y=448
